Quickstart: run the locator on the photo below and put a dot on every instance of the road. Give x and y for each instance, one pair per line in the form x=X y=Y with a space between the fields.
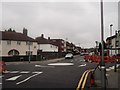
x=65 y=73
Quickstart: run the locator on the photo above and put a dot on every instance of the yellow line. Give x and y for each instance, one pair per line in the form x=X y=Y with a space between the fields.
x=81 y=80
x=84 y=82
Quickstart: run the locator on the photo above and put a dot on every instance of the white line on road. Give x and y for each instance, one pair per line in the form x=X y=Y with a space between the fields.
x=14 y=72
x=24 y=72
x=0 y=83
x=82 y=65
x=13 y=78
x=28 y=78
x=71 y=61
x=61 y=64
x=1 y=76
x=43 y=66
x=6 y=71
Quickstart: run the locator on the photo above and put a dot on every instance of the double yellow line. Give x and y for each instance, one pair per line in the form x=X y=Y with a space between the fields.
x=83 y=80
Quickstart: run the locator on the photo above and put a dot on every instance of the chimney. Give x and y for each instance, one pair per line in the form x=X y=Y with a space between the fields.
x=25 y=31
x=42 y=35
x=48 y=38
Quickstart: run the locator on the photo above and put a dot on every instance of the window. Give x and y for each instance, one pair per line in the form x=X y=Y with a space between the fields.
x=18 y=42
x=51 y=46
x=29 y=43
x=29 y=52
x=13 y=52
x=8 y=42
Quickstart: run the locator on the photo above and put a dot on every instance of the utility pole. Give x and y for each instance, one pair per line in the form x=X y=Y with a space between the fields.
x=29 y=50
x=103 y=68
x=111 y=36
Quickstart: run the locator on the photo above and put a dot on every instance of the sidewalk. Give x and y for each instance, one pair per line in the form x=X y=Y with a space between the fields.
x=112 y=78
x=41 y=61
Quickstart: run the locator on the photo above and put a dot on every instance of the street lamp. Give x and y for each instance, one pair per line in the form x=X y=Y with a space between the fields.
x=102 y=64
x=111 y=36
x=29 y=50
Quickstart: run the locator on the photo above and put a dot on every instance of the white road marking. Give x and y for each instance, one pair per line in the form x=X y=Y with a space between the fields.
x=0 y=83
x=82 y=65
x=14 y=72
x=43 y=66
x=108 y=69
x=1 y=76
x=13 y=78
x=61 y=64
x=24 y=72
x=6 y=71
x=107 y=75
x=29 y=78
x=71 y=61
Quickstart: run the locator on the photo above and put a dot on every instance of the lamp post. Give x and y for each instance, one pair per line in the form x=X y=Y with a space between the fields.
x=102 y=65
x=111 y=36
x=29 y=50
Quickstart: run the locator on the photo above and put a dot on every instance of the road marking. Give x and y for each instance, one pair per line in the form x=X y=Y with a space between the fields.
x=107 y=75
x=14 y=72
x=83 y=85
x=6 y=71
x=0 y=83
x=43 y=66
x=1 y=76
x=61 y=64
x=82 y=65
x=24 y=72
x=13 y=78
x=71 y=61
x=84 y=77
x=37 y=72
x=28 y=78
x=79 y=84
x=108 y=69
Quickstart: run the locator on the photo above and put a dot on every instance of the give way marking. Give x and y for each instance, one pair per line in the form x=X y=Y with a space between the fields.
x=82 y=65
x=36 y=73
x=13 y=78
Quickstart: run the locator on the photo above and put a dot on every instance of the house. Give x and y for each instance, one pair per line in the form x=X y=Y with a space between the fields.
x=45 y=45
x=113 y=43
x=17 y=44
x=60 y=43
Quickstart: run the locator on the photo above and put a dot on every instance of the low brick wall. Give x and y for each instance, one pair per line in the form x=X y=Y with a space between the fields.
x=42 y=56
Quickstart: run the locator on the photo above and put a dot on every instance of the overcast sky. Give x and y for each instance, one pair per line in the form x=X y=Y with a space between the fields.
x=79 y=22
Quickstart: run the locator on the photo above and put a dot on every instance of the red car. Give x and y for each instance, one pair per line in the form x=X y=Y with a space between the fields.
x=2 y=67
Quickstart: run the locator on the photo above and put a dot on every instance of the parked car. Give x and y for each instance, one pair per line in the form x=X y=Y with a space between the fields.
x=69 y=56
x=2 y=67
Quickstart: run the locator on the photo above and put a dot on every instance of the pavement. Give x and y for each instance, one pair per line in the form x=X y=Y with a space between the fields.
x=42 y=61
x=112 y=81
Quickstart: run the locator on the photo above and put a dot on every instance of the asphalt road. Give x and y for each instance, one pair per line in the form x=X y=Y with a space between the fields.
x=65 y=73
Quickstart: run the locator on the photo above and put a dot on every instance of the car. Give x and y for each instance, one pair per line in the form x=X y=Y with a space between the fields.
x=2 y=67
x=69 y=56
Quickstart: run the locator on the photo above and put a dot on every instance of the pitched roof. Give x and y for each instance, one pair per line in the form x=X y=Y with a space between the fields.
x=109 y=38
x=42 y=40
x=15 y=36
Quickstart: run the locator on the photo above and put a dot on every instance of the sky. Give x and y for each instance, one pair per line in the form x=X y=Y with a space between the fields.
x=75 y=21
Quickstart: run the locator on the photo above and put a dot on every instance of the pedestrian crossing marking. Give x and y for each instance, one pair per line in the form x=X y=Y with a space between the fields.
x=13 y=78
